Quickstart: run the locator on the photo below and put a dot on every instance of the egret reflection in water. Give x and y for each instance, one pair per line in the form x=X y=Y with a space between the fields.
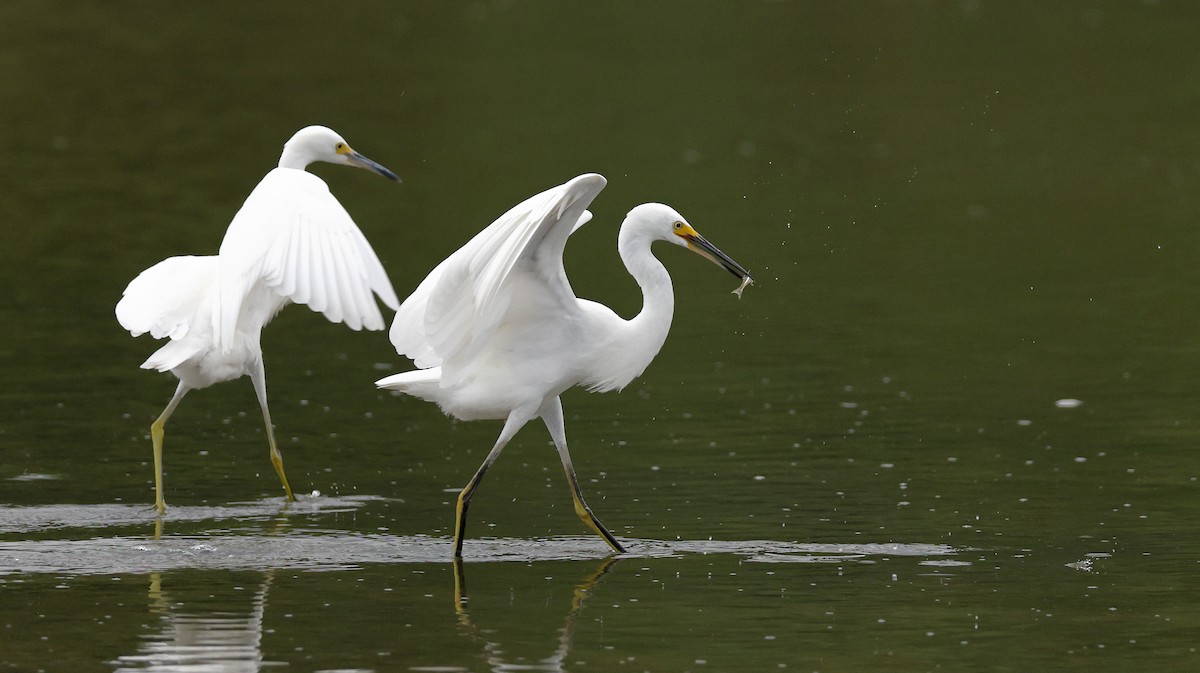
x=493 y=651
x=226 y=636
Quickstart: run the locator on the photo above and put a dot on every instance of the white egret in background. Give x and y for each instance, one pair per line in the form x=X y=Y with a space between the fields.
x=290 y=242
x=498 y=333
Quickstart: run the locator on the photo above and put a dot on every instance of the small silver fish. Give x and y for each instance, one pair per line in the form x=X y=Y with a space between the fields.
x=745 y=281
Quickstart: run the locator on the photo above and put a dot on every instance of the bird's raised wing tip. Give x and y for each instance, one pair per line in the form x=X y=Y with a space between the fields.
x=594 y=180
x=582 y=188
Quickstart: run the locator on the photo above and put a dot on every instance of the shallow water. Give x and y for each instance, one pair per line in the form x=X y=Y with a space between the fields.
x=951 y=427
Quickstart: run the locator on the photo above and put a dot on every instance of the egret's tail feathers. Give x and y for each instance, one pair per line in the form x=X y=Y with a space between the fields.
x=422 y=383
x=165 y=299
x=171 y=355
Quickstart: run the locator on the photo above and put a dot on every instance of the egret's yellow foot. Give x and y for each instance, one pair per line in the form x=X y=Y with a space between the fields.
x=585 y=514
x=460 y=520
x=156 y=437
x=277 y=461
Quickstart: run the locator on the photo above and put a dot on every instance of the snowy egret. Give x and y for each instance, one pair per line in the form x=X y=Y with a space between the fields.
x=497 y=332
x=290 y=242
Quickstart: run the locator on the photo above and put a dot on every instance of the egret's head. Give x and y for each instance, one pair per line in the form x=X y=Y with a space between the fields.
x=664 y=223
x=319 y=143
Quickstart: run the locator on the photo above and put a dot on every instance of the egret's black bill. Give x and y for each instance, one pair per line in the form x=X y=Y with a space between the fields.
x=700 y=245
x=363 y=162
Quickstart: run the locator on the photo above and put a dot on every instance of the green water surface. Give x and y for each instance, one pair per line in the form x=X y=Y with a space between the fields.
x=951 y=428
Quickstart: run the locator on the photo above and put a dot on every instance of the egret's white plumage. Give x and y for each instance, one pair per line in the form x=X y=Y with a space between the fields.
x=498 y=333
x=291 y=241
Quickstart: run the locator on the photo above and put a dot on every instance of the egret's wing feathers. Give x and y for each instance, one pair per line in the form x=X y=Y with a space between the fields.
x=294 y=236
x=465 y=297
x=583 y=219
x=408 y=332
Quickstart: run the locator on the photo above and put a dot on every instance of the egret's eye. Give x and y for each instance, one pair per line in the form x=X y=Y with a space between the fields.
x=679 y=225
x=341 y=146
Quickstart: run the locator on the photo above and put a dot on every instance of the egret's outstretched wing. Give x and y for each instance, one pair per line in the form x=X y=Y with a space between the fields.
x=169 y=298
x=465 y=297
x=295 y=237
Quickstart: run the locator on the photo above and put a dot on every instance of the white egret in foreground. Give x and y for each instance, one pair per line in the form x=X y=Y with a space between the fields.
x=290 y=242
x=498 y=333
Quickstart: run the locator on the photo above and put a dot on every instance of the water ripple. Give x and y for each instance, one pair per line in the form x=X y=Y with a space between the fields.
x=16 y=519
x=344 y=551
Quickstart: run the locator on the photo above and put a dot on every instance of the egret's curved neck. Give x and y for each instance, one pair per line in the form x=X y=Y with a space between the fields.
x=295 y=156
x=648 y=329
